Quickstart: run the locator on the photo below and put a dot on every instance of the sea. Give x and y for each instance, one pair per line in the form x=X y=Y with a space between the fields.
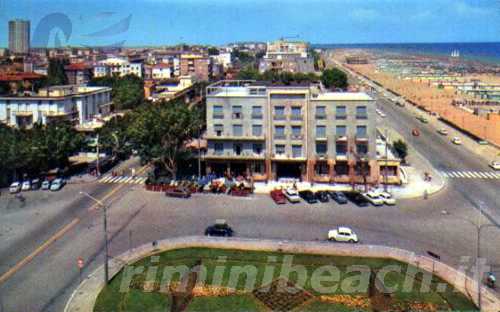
x=486 y=52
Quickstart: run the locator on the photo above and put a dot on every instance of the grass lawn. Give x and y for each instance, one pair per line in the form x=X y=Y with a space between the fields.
x=137 y=299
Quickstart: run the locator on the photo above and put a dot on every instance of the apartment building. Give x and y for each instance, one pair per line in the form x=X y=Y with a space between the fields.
x=78 y=73
x=195 y=65
x=287 y=56
x=76 y=103
x=272 y=131
x=115 y=66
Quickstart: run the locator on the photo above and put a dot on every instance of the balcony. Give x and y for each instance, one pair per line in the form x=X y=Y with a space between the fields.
x=279 y=136
x=233 y=155
x=218 y=115
x=297 y=136
x=362 y=137
x=295 y=117
x=279 y=117
x=257 y=115
x=320 y=116
x=341 y=138
x=361 y=116
x=341 y=117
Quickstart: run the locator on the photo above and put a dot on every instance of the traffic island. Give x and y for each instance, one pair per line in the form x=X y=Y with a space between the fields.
x=246 y=274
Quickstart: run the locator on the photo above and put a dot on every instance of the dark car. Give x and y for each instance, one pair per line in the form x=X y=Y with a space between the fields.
x=308 y=196
x=220 y=228
x=35 y=184
x=178 y=192
x=339 y=197
x=357 y=199
x=322 y=196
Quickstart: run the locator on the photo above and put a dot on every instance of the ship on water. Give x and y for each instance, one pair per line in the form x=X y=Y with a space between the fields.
x=455 y=54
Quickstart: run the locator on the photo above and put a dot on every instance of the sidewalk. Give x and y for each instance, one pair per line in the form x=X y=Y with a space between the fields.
x=84 y=297
x=413 y=173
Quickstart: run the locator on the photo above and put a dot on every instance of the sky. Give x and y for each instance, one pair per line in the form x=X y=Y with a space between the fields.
x=165 y=22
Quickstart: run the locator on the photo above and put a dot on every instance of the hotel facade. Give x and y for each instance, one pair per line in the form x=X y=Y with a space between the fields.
x=270 y=132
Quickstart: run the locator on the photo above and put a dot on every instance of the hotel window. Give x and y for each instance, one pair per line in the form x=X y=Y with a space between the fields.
x=320 y=132
x=258 y=168
x=341 y=148
x=280 y=149
x=237 y=130
x=340 y=112
x=296 y=113
x=257 y=112
x=256 y=130
x=237 y=112
x=362 y=148
x=279 y=112
x=279 y=132
x=218 y=129
x=296 y=132
x=237 y=148
x=340 y=131
x=296 y=150
x=361 y=112
x=218 y=148
x=321 y=169
x=361 y=132
x=320 y=112
x=218 y=112
x=257 y=148
x=321 y=148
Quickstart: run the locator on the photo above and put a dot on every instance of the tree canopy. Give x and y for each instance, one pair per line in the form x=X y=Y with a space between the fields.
x=55 y=73
x=127 y=93
x=334 y=78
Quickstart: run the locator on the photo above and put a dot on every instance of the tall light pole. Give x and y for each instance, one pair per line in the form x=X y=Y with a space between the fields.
x=104 y=214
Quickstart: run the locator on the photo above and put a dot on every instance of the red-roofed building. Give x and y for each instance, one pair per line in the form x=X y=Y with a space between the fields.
x=78 y=73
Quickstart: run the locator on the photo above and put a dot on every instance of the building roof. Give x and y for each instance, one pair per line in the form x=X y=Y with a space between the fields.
x=342 y=96
x=19 y=76
x=77 y=66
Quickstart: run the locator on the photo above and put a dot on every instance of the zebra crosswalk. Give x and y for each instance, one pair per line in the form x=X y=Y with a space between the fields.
x=122 y=179
x=470 y=174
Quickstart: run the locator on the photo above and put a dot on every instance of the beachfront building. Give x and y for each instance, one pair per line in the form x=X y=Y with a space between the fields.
x=78 y=104
x=270 y=132
x=287 y=56
x=115 y=66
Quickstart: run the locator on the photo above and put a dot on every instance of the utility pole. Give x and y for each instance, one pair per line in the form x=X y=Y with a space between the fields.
x=98 y=171
x=106 y=249
x=199 y=152
x=386 y=153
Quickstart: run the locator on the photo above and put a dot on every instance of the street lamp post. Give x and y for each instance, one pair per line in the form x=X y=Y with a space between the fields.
x=100 y=203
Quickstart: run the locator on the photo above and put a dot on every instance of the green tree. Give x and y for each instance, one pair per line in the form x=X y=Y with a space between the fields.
x=213 y=51
x=249 y=72
x=401 y=149
x=55 y=73
x=334 y=78
x=127 y=91
x=114 y=136
x=159 y=133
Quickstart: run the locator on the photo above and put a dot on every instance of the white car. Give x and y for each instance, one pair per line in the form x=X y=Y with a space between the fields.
x=15 y=188
x=495 y=165
x=343 y=234
x=456 y=141
x=387 y=198
x=56 y=185
x=374 y=198
x=292 y=195
x=443 y=131
x=26 y=186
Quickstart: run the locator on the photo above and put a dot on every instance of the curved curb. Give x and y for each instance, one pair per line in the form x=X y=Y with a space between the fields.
x=85 y=295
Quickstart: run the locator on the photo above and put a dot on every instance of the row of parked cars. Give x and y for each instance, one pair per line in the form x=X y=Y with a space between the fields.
x=36 y=184
x=360 y=199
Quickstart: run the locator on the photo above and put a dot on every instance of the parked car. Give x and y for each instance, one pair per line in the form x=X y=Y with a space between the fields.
x=57 y=184
x=178 y=192
x=482 y=142
x=415 y=132
x=443 y=131
x=26 y=186
x=278 y=197
x=292 y=195
x=495 y=165
x=35 y=184
x=15 y=188
x=343 y=234
x=308 y=196
x=322 y=196
x=339 y=197
x=357 y=199
x=388 y=199
x=422 y=119
x=374 y=198
x=456 y=141
x=220 y=228
x=45 y=185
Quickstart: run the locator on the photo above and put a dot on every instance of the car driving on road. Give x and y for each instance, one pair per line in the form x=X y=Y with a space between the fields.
x=443 y=131
x=456 y=141
x=495 y=165
x=343 y=234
